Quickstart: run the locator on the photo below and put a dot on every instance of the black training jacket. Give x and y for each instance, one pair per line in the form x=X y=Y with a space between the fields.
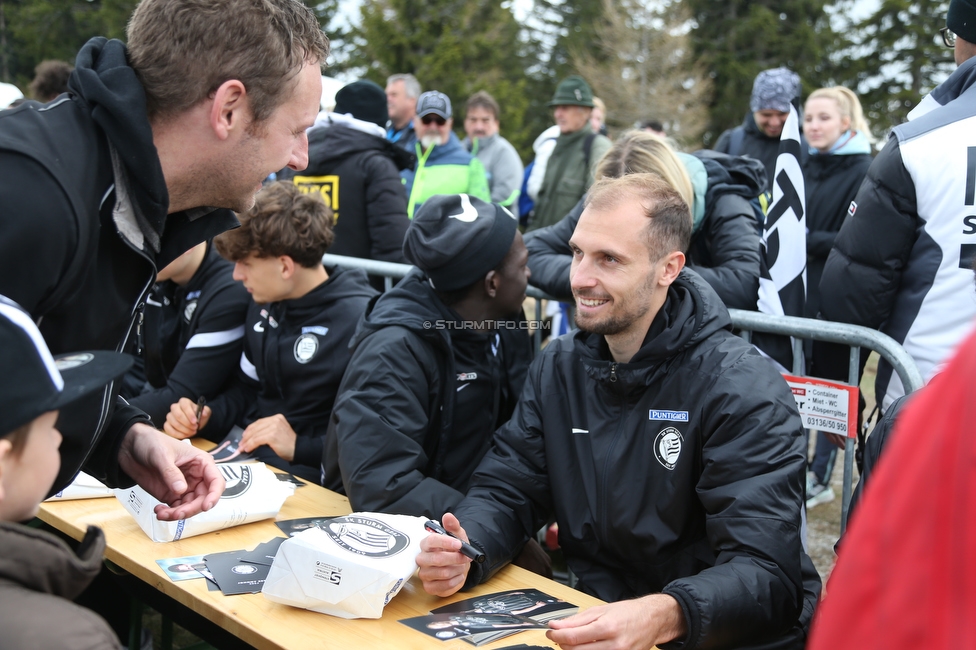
x=295 y=352
x=191 y=337
x=724 y=250
x=391 y=445
x=680 y=472
x=76 y=251
x=358 y=175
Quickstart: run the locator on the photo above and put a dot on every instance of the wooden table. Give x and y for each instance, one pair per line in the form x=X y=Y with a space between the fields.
x=259 y=621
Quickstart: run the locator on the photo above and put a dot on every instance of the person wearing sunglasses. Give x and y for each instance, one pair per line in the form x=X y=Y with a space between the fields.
x=444 y=166
x=902 y=260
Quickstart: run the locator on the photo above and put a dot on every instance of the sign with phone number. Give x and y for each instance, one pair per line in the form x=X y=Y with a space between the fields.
x=827 y=406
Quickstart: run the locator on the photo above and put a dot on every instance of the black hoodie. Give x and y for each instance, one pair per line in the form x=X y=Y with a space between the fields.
x=724 y=249
x=81 y=238
x=679 y=472
x=295 y=352
x=359 y=172
x=397 y=441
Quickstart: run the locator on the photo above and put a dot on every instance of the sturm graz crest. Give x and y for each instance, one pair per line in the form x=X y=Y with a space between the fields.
x=367 y=537
x=305 y=348
x=238 y=478
x=667 y=447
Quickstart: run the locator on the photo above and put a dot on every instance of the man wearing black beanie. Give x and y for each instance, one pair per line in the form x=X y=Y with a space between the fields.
x=902 y=260
x=438 y=364
x=357 y=172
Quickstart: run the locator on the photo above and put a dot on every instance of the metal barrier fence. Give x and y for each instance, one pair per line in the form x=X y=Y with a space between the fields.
x=854 y=336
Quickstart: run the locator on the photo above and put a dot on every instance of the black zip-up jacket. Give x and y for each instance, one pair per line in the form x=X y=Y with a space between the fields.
x=76 y=251
x=192 y=337
x=724 y=250
x=679 y=472
x=371 y=203
x=295 y=352
x=392 y=445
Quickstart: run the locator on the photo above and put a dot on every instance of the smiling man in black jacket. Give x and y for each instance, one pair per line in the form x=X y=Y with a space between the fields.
x=668 y=449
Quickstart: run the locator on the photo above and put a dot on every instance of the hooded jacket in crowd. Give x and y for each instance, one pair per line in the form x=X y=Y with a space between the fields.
x=295 y=352
x=903 y=259
x=724 y=244
x=84 y=227
x=503 y=168
x=39 y=577
x=754 y=143
x=419 y=404
x=357 y=172
x=191 y=337
x=680 y=472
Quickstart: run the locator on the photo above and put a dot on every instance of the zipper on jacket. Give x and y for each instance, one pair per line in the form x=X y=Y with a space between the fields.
x=613 y=371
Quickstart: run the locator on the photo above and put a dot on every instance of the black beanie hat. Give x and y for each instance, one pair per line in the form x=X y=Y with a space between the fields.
x=456 y=239
x=365 y=100
x=961 y=19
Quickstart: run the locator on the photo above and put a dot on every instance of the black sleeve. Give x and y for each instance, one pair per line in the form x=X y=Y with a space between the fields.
x=381 y=421
x=509 y=498
x=864 y=268
x=103 y=461
x=309 y=446
x=37 y=233
x=206 y=365
x=733 y=247
x=550 y=256
x=386 y=209
x=230 y=407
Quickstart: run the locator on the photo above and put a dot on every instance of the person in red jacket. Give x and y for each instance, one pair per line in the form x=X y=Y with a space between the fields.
x=903 y=576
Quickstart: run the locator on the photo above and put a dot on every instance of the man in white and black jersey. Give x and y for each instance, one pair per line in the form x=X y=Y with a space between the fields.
x=902 y=260
x=189 y=343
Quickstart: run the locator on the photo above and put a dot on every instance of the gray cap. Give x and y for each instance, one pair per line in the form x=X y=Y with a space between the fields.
x=434 y=102
x=774 y=90
x=456 y=239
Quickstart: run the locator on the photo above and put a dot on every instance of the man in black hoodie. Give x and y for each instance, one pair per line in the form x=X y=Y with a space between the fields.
x=670 y=452
x=357 y=171
x=120 y=176
x=296 y=335
x=437 y=366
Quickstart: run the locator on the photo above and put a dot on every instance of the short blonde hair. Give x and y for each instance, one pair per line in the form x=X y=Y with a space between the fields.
x=849 y=107
x=639 y=152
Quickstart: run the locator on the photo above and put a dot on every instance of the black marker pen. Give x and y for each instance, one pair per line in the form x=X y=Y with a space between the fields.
x=201 y=402
x=466 y=549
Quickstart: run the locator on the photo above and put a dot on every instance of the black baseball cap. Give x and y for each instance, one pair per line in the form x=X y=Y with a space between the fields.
x=33 y=381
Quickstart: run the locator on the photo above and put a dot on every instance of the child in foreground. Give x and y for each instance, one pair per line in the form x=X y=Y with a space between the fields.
x=39 y=573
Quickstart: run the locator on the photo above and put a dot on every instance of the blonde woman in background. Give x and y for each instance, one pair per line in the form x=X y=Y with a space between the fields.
x=840 y=154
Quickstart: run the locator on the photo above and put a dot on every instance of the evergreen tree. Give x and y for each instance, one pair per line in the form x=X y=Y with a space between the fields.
x=894 y=57
x=737 y=39
x=647 y=70
x=454 y=46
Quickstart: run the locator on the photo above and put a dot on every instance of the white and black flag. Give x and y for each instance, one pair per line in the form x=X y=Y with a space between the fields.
x=783 y=260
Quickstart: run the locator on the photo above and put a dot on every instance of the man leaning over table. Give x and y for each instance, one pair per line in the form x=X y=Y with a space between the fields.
x=133 y=167
x=669 y=451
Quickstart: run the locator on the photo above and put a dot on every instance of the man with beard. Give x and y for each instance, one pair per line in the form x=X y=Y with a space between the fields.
x=667 y=449
x=443 y=165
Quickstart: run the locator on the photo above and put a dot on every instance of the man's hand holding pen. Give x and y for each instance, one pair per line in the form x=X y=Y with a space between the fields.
x=443 y=567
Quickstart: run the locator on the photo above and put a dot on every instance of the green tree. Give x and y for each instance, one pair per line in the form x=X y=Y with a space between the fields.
x=569 y=28
x=737 y=39
x=454 y=46
x=893 y=58
x=56 y=29
x=642 y=67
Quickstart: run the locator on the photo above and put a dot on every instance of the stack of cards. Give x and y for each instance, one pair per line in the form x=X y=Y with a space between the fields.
x=233 y=572
x=491 y=617
x=229 y=449
x=292 y=527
